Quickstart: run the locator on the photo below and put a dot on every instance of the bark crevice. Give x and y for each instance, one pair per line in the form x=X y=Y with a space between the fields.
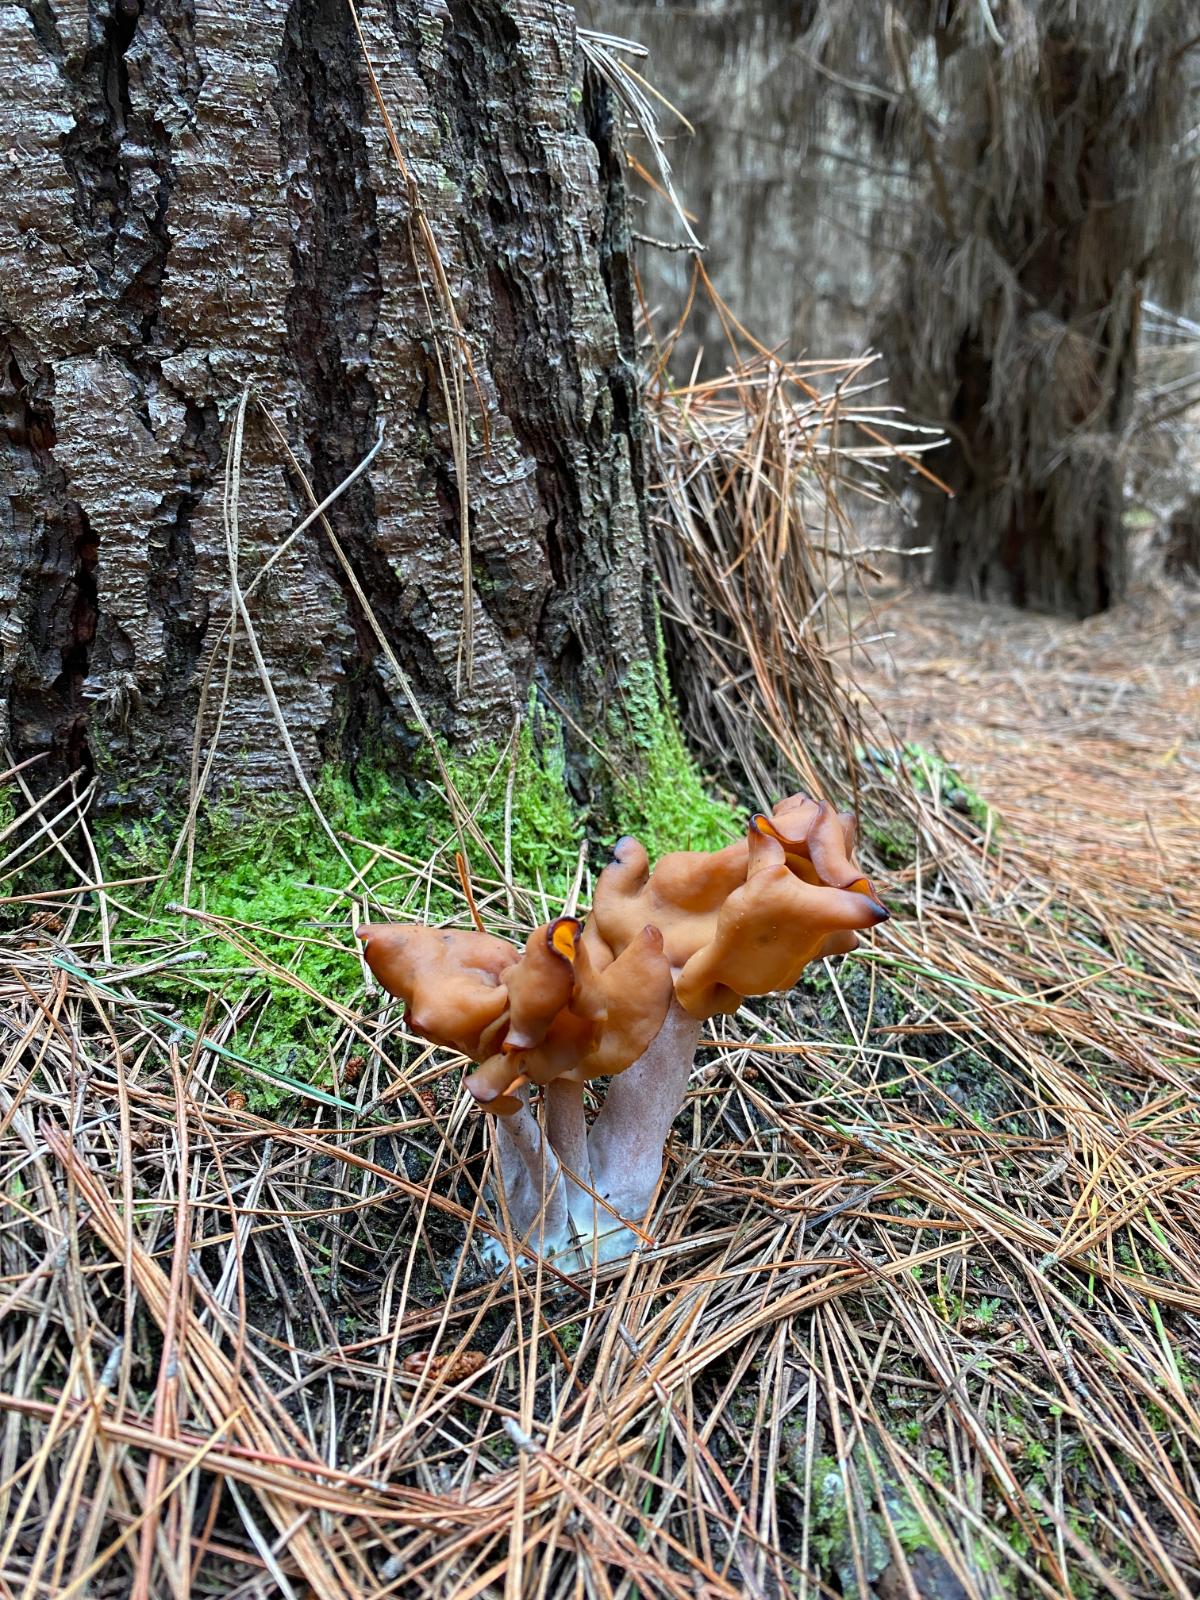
x=46 y=670
x=331 y=316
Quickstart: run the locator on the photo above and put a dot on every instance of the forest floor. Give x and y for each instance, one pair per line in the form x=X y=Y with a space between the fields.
x=922 y=1320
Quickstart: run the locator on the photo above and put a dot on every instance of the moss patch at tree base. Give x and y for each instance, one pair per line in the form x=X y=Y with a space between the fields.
x=284 y=896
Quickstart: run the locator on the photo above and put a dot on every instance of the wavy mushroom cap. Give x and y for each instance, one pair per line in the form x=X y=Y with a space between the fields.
x=613 y=1016
x=541 y=983
x=494 y=1084
x=586 y=1002
x=818 y=842
x=623 y=1007
x=637 y=991
x=681 y=897
x=449 y=979
x=685 y=892
x=770 y=928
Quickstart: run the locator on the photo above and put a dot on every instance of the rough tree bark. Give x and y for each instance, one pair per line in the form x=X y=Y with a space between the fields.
x=201 y=197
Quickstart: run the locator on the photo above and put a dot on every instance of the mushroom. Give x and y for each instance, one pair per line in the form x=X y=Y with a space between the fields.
x=770 y=928
x=449 y=980
x=622 y=996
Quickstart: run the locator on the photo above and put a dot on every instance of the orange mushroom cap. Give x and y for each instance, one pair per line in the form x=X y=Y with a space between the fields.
x=540 y=983
x=539 y=986
x=494 y=1085
x=449 y=980
x=818 y=842
x=770 y=928
x=611 y=1016
x=582 y=1002
x=681 y=897
x=696 y=898
x=637 y=990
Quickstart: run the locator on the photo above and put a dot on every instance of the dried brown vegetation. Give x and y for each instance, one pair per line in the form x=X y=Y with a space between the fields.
x=922 y=1317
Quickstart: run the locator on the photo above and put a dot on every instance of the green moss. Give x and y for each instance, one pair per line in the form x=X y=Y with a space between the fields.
x=910 y=1527
x=930 y=773
x=829 y=1514
x=894 y=842
x=266 y=861
x=662 y=799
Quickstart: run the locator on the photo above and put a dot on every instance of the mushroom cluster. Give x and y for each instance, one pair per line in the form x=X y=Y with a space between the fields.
x=622 y=996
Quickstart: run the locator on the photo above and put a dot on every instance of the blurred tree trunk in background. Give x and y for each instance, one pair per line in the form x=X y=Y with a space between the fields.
x=1002 y=180
x=1057 y=185
x=1181 y=540
x=197 y=199
x=788 y=212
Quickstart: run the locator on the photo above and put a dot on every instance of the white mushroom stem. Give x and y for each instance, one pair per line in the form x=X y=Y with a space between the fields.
x=534 y=1188
x=627 y=1139
x=621 y=1158
x=566 y=1128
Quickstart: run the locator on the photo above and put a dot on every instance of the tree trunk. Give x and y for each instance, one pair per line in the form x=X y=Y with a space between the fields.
x=1047 y=537
x=1017 y=330
x=777 y=208
x=204 y=198
x=1181 y=540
